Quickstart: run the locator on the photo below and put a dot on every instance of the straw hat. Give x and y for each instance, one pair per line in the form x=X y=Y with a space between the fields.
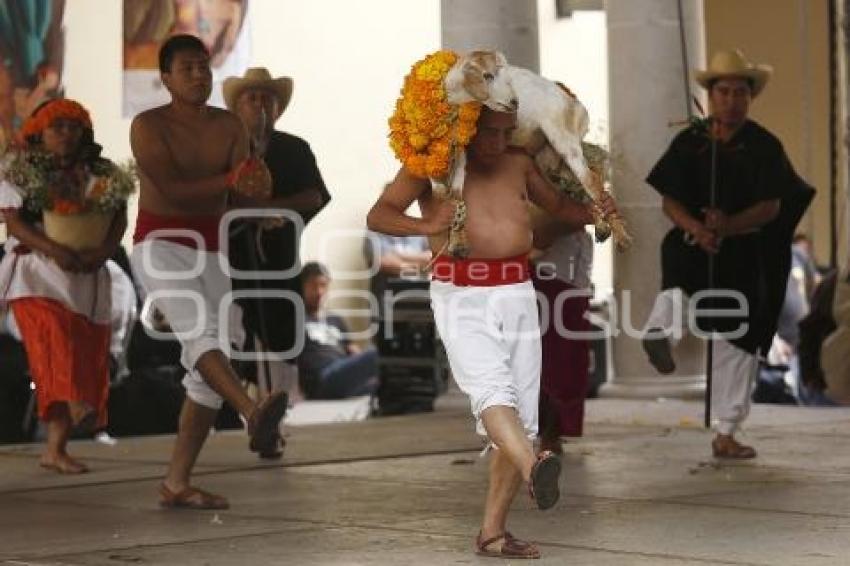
x=258 y=77
x=732 y=63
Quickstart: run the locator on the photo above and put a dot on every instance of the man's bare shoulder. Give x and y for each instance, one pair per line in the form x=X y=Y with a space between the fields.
x=222 y=115
x=211 y=114
x=408 y=180
x=517 y=152
x=148 y=117
x=223 y=118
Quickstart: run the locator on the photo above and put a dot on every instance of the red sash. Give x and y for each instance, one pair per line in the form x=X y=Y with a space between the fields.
x=205 y=226
x=481 y=272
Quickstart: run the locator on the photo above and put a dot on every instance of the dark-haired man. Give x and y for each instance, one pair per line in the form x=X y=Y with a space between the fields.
x=190 y=155
x=486 y=311
x=742 y=227
x=297 y=185
x=332 y=367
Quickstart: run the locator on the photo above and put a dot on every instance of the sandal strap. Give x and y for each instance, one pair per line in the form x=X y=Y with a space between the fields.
x=483 y=544
x=188 y=496
x=513 y=540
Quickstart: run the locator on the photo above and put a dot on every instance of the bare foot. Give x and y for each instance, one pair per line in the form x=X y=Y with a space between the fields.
x=63 y=464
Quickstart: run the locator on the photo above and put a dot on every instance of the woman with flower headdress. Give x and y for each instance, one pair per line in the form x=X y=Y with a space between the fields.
x=57 y=290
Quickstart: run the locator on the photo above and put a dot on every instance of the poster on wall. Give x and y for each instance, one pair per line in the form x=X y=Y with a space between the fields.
x=32 y=49
x=221 y=24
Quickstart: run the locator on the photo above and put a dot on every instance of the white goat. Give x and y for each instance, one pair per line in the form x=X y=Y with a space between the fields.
x=551 y=122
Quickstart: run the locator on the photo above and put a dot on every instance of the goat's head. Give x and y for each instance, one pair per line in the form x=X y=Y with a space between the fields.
x=485 y=80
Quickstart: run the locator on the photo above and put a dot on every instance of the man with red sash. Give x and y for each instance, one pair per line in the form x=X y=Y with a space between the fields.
x=190 y=156
x=485 y=309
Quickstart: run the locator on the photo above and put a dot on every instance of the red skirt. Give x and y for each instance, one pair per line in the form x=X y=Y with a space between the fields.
x=564 y=376
x=68 y=355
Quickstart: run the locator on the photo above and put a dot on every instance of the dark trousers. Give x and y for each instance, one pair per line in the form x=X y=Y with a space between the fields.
x=349 y=377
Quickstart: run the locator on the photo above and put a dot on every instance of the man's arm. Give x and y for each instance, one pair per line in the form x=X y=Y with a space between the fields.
x=156 y=162
x=388 y=214
x=339 y=322
x=564 y=209
x=65 y=257
x=546 y=232
x=679 y=215
x=747 y=220
x=305 y=200
x=395 y=263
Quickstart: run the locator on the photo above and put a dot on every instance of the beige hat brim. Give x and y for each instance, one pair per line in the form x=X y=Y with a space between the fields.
x=281 y=87
x=757 y=74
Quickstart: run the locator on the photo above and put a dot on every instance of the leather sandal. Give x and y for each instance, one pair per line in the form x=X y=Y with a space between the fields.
x=511 y=547
x=543 y=485
x=729 y=448
x=190 y=498
x=263 y=424
x=277 y=452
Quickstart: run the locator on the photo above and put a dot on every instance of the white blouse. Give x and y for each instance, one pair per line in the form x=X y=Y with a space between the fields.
x=35 y=275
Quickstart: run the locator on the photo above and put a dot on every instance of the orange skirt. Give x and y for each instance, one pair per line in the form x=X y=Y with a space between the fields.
x=68 y=355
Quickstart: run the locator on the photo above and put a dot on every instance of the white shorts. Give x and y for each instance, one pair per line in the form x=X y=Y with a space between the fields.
x=492 y=338
x=191 y=305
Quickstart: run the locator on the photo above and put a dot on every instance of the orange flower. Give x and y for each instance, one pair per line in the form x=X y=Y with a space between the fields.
x=98 y=188
x=56 y=108
x=64 y=206
x=425 y=127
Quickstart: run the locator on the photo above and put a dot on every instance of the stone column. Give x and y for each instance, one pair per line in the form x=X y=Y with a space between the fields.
x=647 y=94
x=509 y=26
x=843 y=133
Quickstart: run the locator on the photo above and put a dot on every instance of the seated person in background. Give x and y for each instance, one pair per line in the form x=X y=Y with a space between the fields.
x=394 y=257
x=331 y=367
x=786 y=341
x=825 y=341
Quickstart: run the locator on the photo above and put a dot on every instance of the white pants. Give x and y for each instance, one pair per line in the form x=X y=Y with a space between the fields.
x=191 y=305
x=733 y=369
x=492 y=338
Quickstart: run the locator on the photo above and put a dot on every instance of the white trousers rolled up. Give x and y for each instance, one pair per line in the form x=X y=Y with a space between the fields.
x=492 y=339
x=733 y=369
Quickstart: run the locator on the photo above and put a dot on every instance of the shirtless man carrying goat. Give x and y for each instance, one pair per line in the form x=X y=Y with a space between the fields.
x=486 y=311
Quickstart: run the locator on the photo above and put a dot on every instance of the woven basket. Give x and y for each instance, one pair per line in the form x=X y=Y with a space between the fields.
x=79 y=232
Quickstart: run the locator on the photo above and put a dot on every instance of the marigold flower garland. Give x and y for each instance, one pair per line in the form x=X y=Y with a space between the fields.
x=102 y=185
x=425 y=130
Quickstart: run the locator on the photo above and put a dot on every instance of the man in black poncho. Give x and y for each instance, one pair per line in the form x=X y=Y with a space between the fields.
x=758 y=201
x=297 y=185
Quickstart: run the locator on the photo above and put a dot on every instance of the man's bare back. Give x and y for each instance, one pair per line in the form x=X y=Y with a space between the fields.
x=178 y=148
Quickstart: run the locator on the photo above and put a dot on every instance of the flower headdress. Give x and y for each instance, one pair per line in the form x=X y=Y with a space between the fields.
x=92 y=183
x=49 y=111
x=425 y=130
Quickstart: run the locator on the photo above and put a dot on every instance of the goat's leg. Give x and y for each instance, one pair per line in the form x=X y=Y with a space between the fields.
x=458 y=174
x=569 y=147
x=451 y=188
